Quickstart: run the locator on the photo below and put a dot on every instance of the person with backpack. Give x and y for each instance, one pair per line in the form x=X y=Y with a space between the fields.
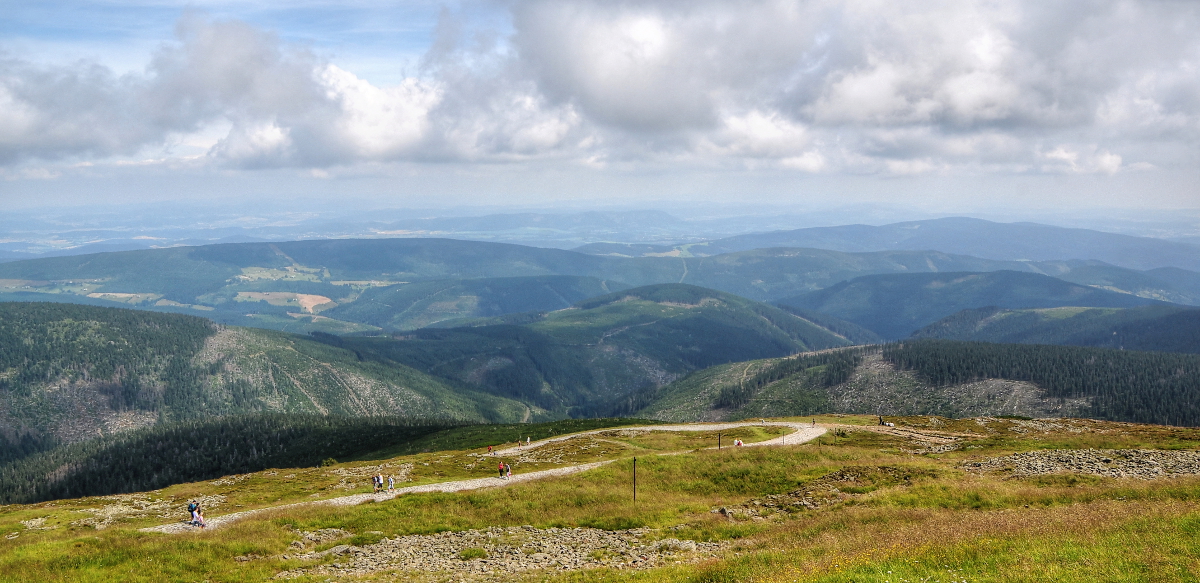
x=192 y=507
x=507 y=471
x=391 y=483
x=501 y=470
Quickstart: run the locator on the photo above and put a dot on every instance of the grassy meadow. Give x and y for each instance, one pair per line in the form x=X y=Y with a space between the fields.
x=941 y=523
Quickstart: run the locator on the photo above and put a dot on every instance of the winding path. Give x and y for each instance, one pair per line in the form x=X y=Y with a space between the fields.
x=804 y=432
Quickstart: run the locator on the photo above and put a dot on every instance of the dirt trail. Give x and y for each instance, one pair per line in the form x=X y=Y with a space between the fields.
x=804 y=432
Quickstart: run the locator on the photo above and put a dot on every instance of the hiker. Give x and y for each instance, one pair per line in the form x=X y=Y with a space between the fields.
x=501 y=470
x=489 y=450
x=507 y=471
x=200 y=517
x=192 y=506
x=527 y=438
x=391 y=483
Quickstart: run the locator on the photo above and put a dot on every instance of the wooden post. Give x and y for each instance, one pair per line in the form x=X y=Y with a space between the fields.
x=635 y=479
x=718 y=441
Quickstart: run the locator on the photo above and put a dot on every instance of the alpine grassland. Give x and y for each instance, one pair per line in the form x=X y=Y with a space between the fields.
x=926 y=499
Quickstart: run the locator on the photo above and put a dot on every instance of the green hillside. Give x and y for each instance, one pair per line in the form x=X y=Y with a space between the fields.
x=896 y=305
x=1154 y=328
x=70 y=373
x=421 y=304
x=584 y=360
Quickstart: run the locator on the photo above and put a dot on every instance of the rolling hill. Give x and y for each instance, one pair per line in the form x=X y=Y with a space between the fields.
x=70 y=373
x=1153 y=328
x=896 y=305
x=584 y=360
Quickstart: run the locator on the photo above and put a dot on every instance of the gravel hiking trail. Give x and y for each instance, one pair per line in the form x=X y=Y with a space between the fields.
x=803 y=432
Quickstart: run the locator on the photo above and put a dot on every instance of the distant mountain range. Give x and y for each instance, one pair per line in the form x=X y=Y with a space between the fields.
x=896 y=305
x=958 y=236
x=1156 y=328
x=347 y=286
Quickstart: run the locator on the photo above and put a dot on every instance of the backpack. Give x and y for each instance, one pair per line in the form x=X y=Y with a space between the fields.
x=192 y=507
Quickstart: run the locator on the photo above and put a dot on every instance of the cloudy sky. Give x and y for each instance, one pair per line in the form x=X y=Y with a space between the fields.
x=955 y=105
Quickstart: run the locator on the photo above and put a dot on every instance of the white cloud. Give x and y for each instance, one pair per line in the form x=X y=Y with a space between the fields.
x=1087 y=160
x=863 y=86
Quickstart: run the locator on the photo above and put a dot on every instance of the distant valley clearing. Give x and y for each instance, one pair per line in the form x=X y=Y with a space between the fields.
x=124 y=297
x=307 y=302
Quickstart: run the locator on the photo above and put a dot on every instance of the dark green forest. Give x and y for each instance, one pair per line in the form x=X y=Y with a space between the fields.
x=44 y=342
x=188 y=451
x=1141 y=387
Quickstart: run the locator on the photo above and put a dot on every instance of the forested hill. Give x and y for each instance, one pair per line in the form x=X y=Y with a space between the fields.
x=1121 y=385
x=585 y=360
x=1153 y=328
x=70 y=373
x=936 y=377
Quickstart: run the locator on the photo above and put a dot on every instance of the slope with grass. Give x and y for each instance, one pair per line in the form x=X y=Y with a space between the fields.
x=862 y=504
x=1154 y=328
x=71 y=373
x=896 y=305
x=586 y=359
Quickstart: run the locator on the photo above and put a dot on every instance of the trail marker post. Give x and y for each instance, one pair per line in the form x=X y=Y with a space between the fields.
x=718 y=441
x=635 y=479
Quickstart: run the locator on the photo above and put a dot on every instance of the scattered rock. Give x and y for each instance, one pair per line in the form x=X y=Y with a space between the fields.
x=1145 y=464
x=832 y=488
x=506 y=550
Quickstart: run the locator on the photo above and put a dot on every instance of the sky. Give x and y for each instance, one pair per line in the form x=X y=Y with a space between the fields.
x=954 y=106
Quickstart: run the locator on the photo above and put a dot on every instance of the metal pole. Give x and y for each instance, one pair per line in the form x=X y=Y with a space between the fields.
x=635 y=479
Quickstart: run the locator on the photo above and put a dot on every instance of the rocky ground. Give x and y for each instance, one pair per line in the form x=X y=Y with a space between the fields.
x=497 y=552
x=1145 y=464
x=832 y=488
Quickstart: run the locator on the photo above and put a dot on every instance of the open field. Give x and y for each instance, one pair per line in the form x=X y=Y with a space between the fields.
x=861 y=503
